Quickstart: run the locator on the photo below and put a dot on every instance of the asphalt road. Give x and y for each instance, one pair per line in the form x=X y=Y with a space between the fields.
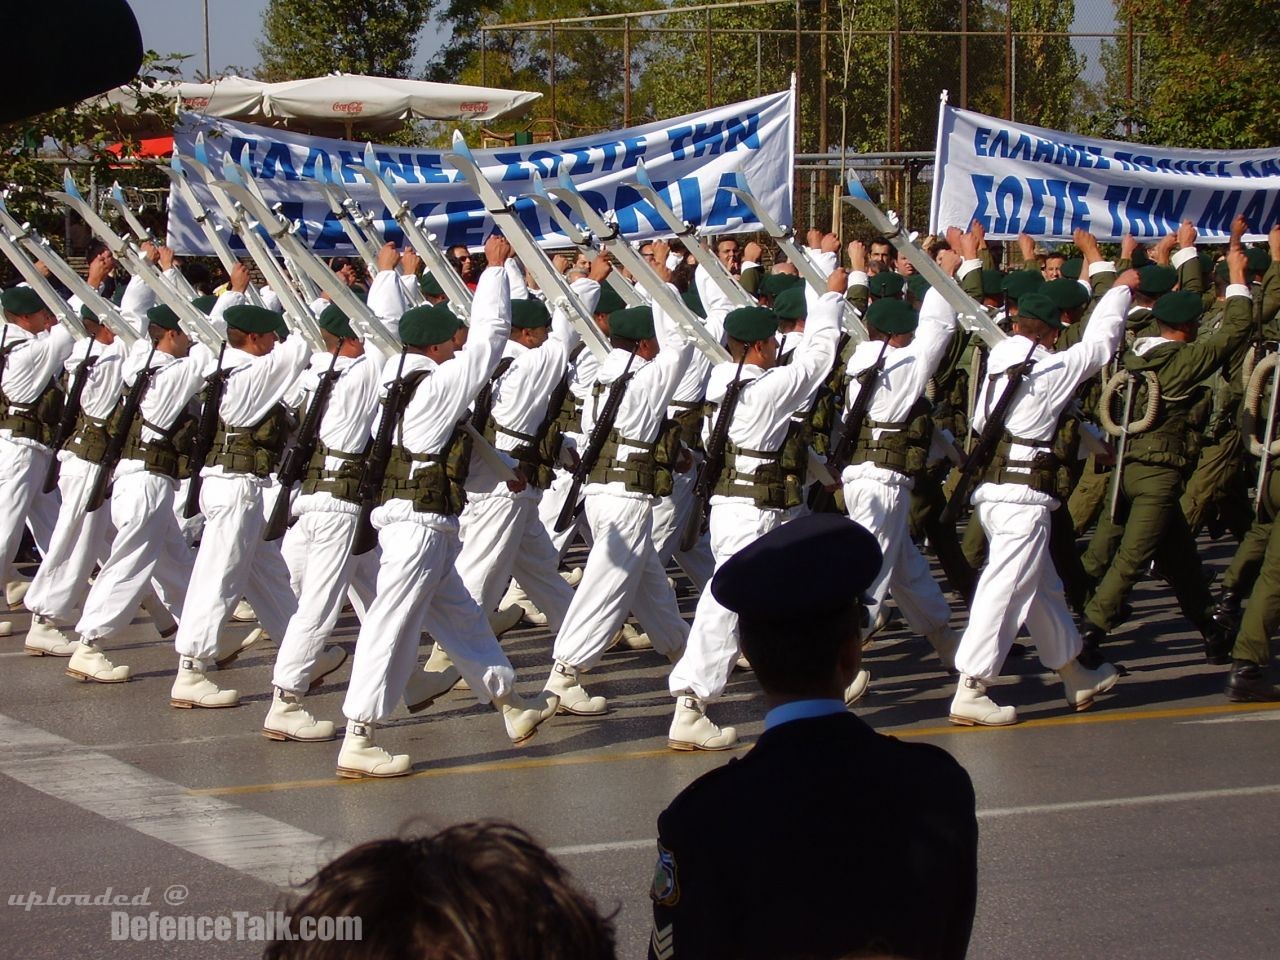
x=1144 y=828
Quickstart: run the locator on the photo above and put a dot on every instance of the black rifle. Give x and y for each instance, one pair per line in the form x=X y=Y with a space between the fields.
x=595 y=444
x=985 y=449
x=296 y=458
x=116 y=442
x=67 y=422
x=851 y=426
x=206 y=430
x=375 y=464
x=712 y=463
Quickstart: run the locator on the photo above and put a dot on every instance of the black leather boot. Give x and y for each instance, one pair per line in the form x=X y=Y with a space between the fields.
x=1091 y=653
x=1248 y=682
x=1218 y=641
x=1227 y=611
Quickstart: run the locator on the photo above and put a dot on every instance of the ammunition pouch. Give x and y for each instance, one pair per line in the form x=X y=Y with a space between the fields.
x=535 y=457
x=167 y=454
x=253 y=449
x=903 y=445
x=766 y=485
x=37 y=420
x=343 y=483
x=824 y=414
x=436 y=487
x=690 y=420
x=89 y=440
x=649 y=471
x=1039 y=473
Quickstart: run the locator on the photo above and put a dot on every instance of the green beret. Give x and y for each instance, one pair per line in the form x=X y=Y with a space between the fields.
x=918 y=285
x=1066 y=294
x=992 y=283
x=791 y=304
x=693 y=301
x=632 y=323
x=526 y=314
x=282 y=328
x=1022 y=282
x=430 y=286
x=1038 y=306
x=1140 y=259
x=21 y=301
x=774 y=283
x=251 y=319
x=610 y=300
x=889 y=315
x=205 y=304
x=336 y=322
x=117 y=296
x=1073 y=268
x=886 y=283
x=1257 y=260
x=1206 y=263
x=428 y=325
x=1179 y=308
x=163 y=317
x=750 y=324
x=87 y=315
x=1154 y=280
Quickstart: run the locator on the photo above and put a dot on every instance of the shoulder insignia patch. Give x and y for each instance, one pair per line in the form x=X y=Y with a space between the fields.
x=666 y=882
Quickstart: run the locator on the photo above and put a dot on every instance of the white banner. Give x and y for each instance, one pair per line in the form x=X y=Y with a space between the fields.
x=687 y=159
x=1015 y=178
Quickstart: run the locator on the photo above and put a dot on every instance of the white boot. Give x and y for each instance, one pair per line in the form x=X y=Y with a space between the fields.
x=229 y=652
x=500 y=621
x=88 y=662
x=439 y=662
x=244 y=612
x=972 y=707
x=331 y=658
x=857 y=687
x=692 y=729
x=572 y=577
x=563 y=682
x=425 y=686
x=1082 y=684
x=46 y=639
x=287 y=720
x=515 y=596
x=361 y=757
x=523 y=717
x=945 y=643
x=192 y=688
x=742 y=663
x=6 y=628
x=15 y=591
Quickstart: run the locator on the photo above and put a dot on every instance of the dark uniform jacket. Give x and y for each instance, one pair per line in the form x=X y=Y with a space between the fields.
x=826 y=839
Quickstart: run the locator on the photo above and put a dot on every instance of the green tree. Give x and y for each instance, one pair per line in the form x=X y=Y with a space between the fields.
x=307 y=38
x=1205 y=77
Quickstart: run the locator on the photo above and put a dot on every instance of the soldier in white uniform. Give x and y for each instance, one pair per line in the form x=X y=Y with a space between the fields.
x=894 y=448
x=422 y=494
x=623 y=572
x=751 y=495
x=80 y=539
x=33 y=349
x=148 y=549
x=1019 y=583
x=233 y=560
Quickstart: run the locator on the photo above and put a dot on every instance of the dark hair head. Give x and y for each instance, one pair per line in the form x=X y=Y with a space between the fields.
x=799 y=658
x=476 y=891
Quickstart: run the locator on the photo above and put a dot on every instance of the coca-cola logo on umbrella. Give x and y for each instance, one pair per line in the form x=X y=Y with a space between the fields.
x=196 y=103
x=351 y=106
x=475 y=106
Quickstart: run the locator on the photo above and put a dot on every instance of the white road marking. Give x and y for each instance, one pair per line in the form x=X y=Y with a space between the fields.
x=259 y=846
x=992 y=813
x=1240 y=718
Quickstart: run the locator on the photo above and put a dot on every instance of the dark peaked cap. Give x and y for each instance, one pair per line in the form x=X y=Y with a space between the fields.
x=827 y=561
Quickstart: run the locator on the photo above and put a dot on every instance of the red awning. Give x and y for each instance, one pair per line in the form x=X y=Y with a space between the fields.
x=149 y=148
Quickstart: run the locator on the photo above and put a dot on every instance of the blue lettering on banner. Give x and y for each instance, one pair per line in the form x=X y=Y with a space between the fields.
x=317 y=160
x=630 y=206
x=431 y=168
x=465 y=225
x=246 y=145
x=400 y=168
x=1219 y=211
x=278 y=155
x=725 y=207
x=350 y=163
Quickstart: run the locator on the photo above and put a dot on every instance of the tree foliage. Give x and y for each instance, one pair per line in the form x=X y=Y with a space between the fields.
x=308 y=38
x=1205 y=77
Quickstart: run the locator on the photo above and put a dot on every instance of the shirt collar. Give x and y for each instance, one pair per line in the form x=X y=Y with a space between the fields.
x=802 y=710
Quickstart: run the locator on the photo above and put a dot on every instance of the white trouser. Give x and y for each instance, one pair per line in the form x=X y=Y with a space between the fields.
x=361 y=575
x=419 y=586
x=713 y=640
x=321 y=539
x=148 y=548
x=549 y=507
x=884 y=509
x=233 y=562
x=622 y=574
x=22 y=470
x=1018 y=585
x=79 y=541
x=670 y=514
x=502 y=537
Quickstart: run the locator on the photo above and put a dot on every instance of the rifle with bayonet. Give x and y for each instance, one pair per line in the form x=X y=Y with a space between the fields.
x=115 y=442
x=67 y=420
x=595 y=444
x=869 y=381
x=299 y=453
x=375 y=464
x=985 y=449
x=712 y=462
x=206 y=430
